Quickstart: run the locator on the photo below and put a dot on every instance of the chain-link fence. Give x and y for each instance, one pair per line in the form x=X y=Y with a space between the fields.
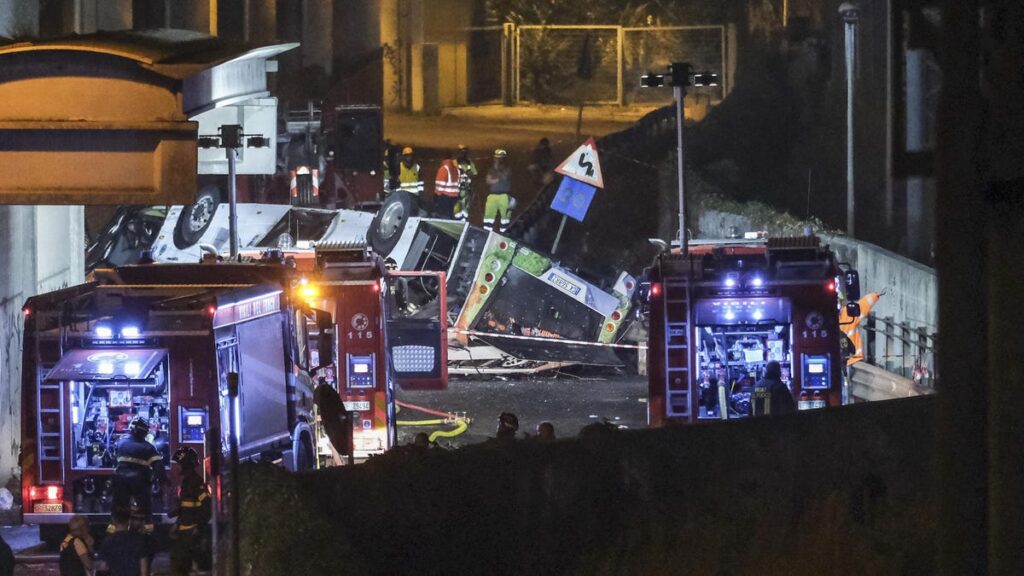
x=567 y=64
x=603 y=64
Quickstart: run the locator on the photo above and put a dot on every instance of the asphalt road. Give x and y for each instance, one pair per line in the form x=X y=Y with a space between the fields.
x=569 y=401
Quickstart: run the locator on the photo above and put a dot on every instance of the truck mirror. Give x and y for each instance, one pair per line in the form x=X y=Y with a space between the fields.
x=325 y=341
x=853 y=309
x=851 y=282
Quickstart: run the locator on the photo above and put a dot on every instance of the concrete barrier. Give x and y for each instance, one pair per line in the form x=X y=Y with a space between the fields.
x=906 y=317
x=843 y=491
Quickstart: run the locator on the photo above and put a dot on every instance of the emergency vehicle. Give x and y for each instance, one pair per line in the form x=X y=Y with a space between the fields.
x=722 y=311
x=159 y=341
x=388 y=329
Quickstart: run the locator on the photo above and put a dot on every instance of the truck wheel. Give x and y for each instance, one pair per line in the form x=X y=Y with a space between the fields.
x=388 y=224
x=196 y=219
x=304 y=457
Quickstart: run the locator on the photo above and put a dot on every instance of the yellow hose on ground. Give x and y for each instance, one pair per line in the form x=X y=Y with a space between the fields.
x=460 y=427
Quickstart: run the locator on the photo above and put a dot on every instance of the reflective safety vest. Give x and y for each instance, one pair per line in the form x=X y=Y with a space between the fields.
x=446 y=183
x=849 y=326
x=409 y=178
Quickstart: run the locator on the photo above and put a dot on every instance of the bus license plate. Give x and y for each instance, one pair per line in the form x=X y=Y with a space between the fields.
x=358 y=406
x=45 y=507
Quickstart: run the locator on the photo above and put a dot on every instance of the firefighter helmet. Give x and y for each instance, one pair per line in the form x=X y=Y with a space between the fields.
x=139 y=426
x=500 y=153
x=509 y=421
x=406 y=151
x=186 y=456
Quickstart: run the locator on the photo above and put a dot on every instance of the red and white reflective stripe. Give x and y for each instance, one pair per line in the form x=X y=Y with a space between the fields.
x=542 y=339
x=446 y=185
x=295 y=181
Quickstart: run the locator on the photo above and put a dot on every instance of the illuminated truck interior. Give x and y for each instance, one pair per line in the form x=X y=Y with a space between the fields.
x=736 y=338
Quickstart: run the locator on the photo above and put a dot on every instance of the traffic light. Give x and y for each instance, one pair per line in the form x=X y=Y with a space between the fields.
x=705 y=79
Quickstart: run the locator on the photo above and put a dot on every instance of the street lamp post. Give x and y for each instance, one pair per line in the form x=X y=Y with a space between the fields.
x=231 y=140
x=681 y=76
x=851 y=14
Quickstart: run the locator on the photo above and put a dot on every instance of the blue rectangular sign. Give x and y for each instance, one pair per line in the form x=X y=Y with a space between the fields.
x=573 y=198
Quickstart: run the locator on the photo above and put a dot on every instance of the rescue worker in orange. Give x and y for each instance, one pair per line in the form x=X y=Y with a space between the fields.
x=849 y=324
x=447 y=187
x=193 y=514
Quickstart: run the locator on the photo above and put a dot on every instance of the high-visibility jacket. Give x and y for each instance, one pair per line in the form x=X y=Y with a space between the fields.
x=446 y=183
x=849 y=326
x=409 y=178
x=135 y=455
x=193 y=503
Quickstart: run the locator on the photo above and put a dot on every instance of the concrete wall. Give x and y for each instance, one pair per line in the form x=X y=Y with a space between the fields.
x=839 y=492
x=42 y=249
x=19 y=17
x=911 y=288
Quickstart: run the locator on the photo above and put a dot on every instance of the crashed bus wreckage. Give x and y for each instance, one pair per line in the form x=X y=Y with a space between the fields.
x=510 y=308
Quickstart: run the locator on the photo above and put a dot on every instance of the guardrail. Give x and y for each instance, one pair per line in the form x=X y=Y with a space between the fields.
x=900 y=348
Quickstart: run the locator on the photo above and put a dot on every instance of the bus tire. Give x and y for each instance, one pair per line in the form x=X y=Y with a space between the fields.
x=196 y=219
x=389 y=223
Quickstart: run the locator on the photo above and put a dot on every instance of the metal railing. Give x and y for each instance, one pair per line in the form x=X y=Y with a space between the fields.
x=900 y=348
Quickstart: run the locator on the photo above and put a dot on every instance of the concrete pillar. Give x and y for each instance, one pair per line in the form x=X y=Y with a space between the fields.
x=43 y=249
x=262 y=21
x=19 y=18
x=317 y=39
x=425 y=79
x=390 y=40
x=198 y=15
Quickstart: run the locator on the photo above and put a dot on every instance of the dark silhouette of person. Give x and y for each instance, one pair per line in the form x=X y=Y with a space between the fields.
x=781 y=399
x=508 y=425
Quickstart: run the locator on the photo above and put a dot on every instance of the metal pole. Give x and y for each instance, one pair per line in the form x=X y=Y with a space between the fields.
x=850 y=14
x=558 y=236
x=233 y=206
x=680 y=95
x=214 y=452
x=236 y=495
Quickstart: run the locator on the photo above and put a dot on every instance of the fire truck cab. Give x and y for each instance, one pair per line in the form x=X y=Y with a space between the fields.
x=386 y=328
x=159 y=341
x=722 y=312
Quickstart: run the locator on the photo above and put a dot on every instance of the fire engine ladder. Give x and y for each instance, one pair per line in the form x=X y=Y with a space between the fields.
x=50 y=423
x=677 y=348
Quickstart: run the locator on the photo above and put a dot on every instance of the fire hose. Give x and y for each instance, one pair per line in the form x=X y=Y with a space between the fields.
x=461 y=422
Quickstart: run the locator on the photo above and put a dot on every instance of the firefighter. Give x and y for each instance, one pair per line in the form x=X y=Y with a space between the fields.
x=773 y=391
x=446 y=188
x=192 y=516
x=467 y=171
x=849 y=325
x=409 y=174
x=499 y=182
x=138 y=465
x=508 y=425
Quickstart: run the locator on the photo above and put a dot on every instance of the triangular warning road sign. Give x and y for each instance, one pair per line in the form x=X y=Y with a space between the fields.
x=583 y=165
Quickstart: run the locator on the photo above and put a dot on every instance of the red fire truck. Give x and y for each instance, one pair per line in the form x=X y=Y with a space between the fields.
x=721 y=312
x=389 y=328
x=159 y=341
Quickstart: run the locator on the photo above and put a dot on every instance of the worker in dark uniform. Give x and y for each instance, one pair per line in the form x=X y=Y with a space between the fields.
x=508 y=425
x=138 y=464
x=193 y=515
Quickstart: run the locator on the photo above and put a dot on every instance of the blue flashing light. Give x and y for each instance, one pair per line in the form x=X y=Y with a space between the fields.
x=104 y=332
x=730 y=282
x=130 y=332
x=757 y=282
x=730 y=315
